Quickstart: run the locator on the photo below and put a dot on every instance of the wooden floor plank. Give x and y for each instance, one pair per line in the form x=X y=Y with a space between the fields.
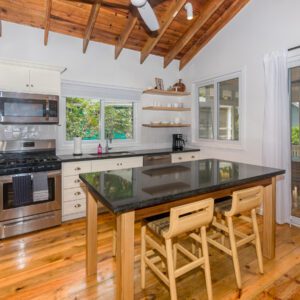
x=51 y=265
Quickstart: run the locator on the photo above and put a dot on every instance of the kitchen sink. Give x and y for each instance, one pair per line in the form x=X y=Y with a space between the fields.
x=111 y=153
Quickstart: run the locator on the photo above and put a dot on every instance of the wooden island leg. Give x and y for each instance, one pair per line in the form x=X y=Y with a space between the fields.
x=269 y=220
x=91 y=235
x=125 y=256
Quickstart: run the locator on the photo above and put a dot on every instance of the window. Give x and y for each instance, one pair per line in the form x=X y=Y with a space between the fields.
x=218 y=109
x=84 y=119
x=206 y=111
x=119 y=121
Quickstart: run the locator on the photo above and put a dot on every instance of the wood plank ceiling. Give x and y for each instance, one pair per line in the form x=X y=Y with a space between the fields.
x=116 y=22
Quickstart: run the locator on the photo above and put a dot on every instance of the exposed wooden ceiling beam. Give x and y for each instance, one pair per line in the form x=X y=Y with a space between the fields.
x=165 y=23
x=208 y=10
x=212 y=31
x=132 y=20
x=47 y=21
x=103 y=3
x=91 y=23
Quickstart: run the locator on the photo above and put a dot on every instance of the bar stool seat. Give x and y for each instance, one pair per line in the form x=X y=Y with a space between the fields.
x=160 y=226
x=160 y=242
x=223 y=206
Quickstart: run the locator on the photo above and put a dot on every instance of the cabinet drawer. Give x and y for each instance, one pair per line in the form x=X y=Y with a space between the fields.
x=72 y=182
x=74 y=194
x=117 y=163
x=186 y=156
x=74 y=207
x=75 y=168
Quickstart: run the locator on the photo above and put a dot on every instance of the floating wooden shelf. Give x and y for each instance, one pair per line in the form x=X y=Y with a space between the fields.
x=166 y=93
x=166 y=171
x=166 y=108
x=166 y=125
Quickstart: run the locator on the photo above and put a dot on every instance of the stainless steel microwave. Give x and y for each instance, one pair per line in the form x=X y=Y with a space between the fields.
x=25 y=108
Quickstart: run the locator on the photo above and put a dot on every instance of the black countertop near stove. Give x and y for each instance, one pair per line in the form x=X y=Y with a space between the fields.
x=131 y=189
x=72 y=158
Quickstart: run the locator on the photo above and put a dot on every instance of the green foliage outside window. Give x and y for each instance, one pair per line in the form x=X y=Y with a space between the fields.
x=119 y=121
x=82 y=118
x=295 y=135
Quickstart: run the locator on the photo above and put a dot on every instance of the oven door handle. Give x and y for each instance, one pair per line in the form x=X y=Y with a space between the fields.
x=7 y=179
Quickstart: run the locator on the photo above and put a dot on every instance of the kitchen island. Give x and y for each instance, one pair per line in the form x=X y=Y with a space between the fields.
x=133 y=194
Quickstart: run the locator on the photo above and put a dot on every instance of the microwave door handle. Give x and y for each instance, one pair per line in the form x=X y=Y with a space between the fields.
x=47 y=110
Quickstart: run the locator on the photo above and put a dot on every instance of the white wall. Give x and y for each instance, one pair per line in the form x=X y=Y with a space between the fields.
x=96 y=66
x=261 y=27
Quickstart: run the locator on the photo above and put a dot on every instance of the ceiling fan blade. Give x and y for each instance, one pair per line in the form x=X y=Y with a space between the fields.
x=148 y=16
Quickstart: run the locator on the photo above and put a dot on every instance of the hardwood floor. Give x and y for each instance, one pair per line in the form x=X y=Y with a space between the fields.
x=50 y=264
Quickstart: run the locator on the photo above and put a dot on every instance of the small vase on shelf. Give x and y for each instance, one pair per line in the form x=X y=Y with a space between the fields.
x=179 y=86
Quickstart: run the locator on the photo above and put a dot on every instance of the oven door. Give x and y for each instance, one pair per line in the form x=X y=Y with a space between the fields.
x=8 y=208
x=16 y=108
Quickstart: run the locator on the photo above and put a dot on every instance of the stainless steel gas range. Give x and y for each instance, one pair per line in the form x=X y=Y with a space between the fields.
x=30 y=186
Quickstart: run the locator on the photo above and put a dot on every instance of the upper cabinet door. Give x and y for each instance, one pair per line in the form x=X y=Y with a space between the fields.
x=14 y=78
x=44 y=81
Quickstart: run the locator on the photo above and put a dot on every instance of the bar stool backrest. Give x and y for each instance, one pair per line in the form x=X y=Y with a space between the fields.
x=245 y=200
x=188 y=217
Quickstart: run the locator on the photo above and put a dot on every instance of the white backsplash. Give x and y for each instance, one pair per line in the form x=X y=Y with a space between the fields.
x=27 y=132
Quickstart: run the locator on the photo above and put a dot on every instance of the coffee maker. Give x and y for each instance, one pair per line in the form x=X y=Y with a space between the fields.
x=178 y=142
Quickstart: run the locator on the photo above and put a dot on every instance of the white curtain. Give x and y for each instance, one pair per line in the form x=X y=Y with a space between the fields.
x=276 y=128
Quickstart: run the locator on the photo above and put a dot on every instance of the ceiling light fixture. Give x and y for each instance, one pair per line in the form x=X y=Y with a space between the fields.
x=189 y=11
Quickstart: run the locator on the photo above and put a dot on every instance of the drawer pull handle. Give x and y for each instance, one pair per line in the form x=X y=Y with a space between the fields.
x=77 y=193
x=193 y=156
x=77 y=169
x=77 y=205
x=180 y=158
x=76 y=180
x=118 y=164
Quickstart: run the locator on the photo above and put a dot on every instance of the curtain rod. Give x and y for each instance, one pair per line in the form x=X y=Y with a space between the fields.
x=294 y=48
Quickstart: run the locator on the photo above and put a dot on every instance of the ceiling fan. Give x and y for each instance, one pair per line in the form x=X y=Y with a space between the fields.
x=147 y=13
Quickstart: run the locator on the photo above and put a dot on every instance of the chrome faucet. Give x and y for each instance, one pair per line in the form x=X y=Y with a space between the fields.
x=107 y=140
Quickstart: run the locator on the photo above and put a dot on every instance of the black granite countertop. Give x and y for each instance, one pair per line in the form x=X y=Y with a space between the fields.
x=131 y=189
x=120 y=154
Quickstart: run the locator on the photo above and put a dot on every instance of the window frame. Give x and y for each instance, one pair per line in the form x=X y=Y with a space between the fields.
x=216 y=142
x=64 y=143
x=119 y=142
x=65 y=120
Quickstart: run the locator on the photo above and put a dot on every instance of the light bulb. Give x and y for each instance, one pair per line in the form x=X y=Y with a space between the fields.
x=189 y=11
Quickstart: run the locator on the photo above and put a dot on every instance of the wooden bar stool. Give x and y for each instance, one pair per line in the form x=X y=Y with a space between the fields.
x=242 y=201
x=161 y=246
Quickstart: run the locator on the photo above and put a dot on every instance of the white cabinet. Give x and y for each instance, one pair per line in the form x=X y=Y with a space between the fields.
x=117 y=163
x=74 y=191
x=14 y=78
x=44 y=81
x=75 y=168
x=74 y=209
x=185 y=156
